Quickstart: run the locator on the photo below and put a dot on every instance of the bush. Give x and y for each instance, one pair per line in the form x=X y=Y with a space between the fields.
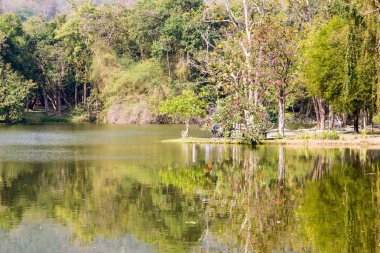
x=231 y=112
x=329 y=135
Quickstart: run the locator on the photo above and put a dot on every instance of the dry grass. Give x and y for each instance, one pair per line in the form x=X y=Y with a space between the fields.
x=206 y=140
x=373 y=142
x=370 y=142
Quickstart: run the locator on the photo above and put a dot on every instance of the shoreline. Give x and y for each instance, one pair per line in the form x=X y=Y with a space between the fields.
x=197 y=140
x=362 y=143
x=371 y=141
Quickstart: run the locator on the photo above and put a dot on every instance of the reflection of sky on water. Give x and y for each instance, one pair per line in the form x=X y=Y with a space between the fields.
x=62 y=153
x=141 y=144
x=48 y=237
x=65 y=138
x=188 y=152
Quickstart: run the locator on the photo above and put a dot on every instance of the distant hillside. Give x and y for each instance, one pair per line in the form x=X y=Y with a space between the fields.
x=46 y=8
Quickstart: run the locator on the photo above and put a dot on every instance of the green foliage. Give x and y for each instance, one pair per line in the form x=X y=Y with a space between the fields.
x=376 y=119
x=226 y=117
x=165 y=28
x=238 y=120
x=325 y=135
x=184 y=106
x=189 y=180
x=13 y=93
x=248 y=63
x=322 y=61
x=337 y=60
x=329 y=135
x=14 y=47
x=122 y=85
x=55 y=119
x=364 y=133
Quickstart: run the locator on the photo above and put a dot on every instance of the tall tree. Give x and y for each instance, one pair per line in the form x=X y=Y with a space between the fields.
x=322 y=62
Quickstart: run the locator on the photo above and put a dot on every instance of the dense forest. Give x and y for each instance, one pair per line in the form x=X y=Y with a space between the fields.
x=246 y=65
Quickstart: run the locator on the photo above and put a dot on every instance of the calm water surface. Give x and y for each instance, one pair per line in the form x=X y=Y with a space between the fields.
x=101 y=188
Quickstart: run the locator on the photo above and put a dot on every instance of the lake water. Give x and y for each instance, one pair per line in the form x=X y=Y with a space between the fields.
x=102 y=188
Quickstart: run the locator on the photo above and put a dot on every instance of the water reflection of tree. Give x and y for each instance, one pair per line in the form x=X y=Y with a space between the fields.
x=268 y=199
x=256 y=213
x=248 y=208
x=338 y=211
x=102 y=201
x=294 y=199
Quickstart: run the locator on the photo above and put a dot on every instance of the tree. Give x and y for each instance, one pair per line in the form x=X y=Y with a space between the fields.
x=13 y=93
x=14 y=45
x=321 y=63
x=77 y=37
x=184 y=107
x=40 y=35
x=279 y=52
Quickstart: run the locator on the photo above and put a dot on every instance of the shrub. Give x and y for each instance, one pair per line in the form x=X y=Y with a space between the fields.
x=329 y=135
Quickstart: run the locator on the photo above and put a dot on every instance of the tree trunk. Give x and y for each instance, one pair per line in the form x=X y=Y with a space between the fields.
x=27 y=104
x=46 y=101
x=58 y=97
x=76 y=96
x=89 y=112
x=356 y=121
x=331 y=118
x=52 y=102
x=84 y=93
x=168 y=62
x=370 y=120
x=309 y=12
x=281 y=115
x=322 y=114
x=257 y=77
x=363 y=118
x=185 y=133
x=344 y=119
x=247 y=49
x=319 y=107
x=33 y=103
x=316 y=109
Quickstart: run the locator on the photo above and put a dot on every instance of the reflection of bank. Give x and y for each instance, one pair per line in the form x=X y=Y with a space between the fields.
x=252 y=207
x=276 y=199
x=211 y=153
x=195 y=153
x=281 y=164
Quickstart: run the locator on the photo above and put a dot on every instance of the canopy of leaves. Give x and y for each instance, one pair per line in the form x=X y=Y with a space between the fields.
x=184 y=106
x=322 y=61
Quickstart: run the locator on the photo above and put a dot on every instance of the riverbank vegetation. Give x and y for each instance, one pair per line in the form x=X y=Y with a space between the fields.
x=249 y=63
